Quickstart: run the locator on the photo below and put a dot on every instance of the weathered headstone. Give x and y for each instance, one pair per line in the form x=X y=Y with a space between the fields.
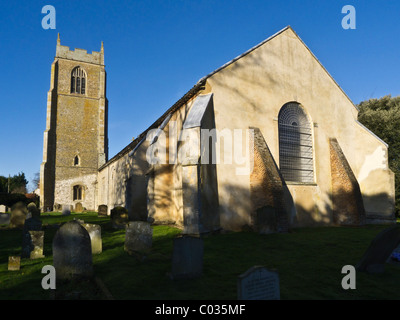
x=19 y=206
x=66 y=210
x=14 y=263
x=3 y=208
x=258 y=283
x=35 y=212
x=138 y=237
x=94 y=231
x=31 y=224
x=72 y=252
x=17 y=219
x=78 y=207
x=102 y=210
x=379 y=251
x=187 y=258
x=119 y=217
x=37 y=238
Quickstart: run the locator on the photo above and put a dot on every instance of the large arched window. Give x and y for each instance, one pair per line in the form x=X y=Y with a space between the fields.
x=78 y=81
x=295 y=144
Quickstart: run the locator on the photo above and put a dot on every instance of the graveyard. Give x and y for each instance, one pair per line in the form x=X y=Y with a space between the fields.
x=308 y=261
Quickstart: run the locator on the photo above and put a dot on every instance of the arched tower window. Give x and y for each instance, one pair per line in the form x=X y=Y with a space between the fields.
x=295 y=144
x=78 y=81
x=77 y=192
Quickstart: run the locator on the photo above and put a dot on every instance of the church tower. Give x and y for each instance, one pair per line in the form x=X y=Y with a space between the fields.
x=75 y=140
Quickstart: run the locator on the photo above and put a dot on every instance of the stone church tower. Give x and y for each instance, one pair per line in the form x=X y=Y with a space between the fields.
x=75 y=140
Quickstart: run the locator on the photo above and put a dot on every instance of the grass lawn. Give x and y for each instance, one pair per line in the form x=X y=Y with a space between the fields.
x=309 y=262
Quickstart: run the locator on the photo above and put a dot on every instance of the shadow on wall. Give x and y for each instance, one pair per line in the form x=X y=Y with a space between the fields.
x=239 y=215
x=344 y=214
x=236 y=212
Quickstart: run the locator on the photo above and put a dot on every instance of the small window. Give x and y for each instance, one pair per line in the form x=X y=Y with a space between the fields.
x=77 y=193
x=76 y=161
x=78 y=81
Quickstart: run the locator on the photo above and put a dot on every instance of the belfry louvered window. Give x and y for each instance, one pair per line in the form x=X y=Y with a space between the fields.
x=295 y=144
x=78 y=81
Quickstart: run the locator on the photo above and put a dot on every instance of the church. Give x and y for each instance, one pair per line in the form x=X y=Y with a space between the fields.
x=269 y=141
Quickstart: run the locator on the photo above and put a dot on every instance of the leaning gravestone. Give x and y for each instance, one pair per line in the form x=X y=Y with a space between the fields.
x=187 y=258
x=138 y=237
x=72 y=252
x=380 y=251
x=258 y=283
x=102 y=210
x=94 y=231
x=31 y=224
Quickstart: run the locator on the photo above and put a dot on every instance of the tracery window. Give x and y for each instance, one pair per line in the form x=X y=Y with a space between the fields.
x=78 y=192
x=295 y=144
x=78 y=81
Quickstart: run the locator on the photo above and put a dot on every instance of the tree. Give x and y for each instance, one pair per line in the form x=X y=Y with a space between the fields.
x=17 y=183
x=3 y=184
x=36 y=181
x=382 y=116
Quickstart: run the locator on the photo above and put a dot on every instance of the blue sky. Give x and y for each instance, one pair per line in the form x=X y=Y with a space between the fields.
x=155 y=51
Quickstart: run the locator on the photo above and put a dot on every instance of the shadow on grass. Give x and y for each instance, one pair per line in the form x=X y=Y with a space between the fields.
x=309 y=262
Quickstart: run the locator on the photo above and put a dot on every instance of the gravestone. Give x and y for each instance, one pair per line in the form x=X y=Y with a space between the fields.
x=78 y=207
x=3 y=208
x=187 y=257
x=94 y=231
x=31 y=224
x=119 y=217
x=34 y=211
x=66 y=210
x=72 y=252
x=380 y=250
x=102 y=210
x=258 y=283
x=17 y=219
x=4 y=218
x=19 y=206
x=138 y=237
x=14 y=263
x=37 y=238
